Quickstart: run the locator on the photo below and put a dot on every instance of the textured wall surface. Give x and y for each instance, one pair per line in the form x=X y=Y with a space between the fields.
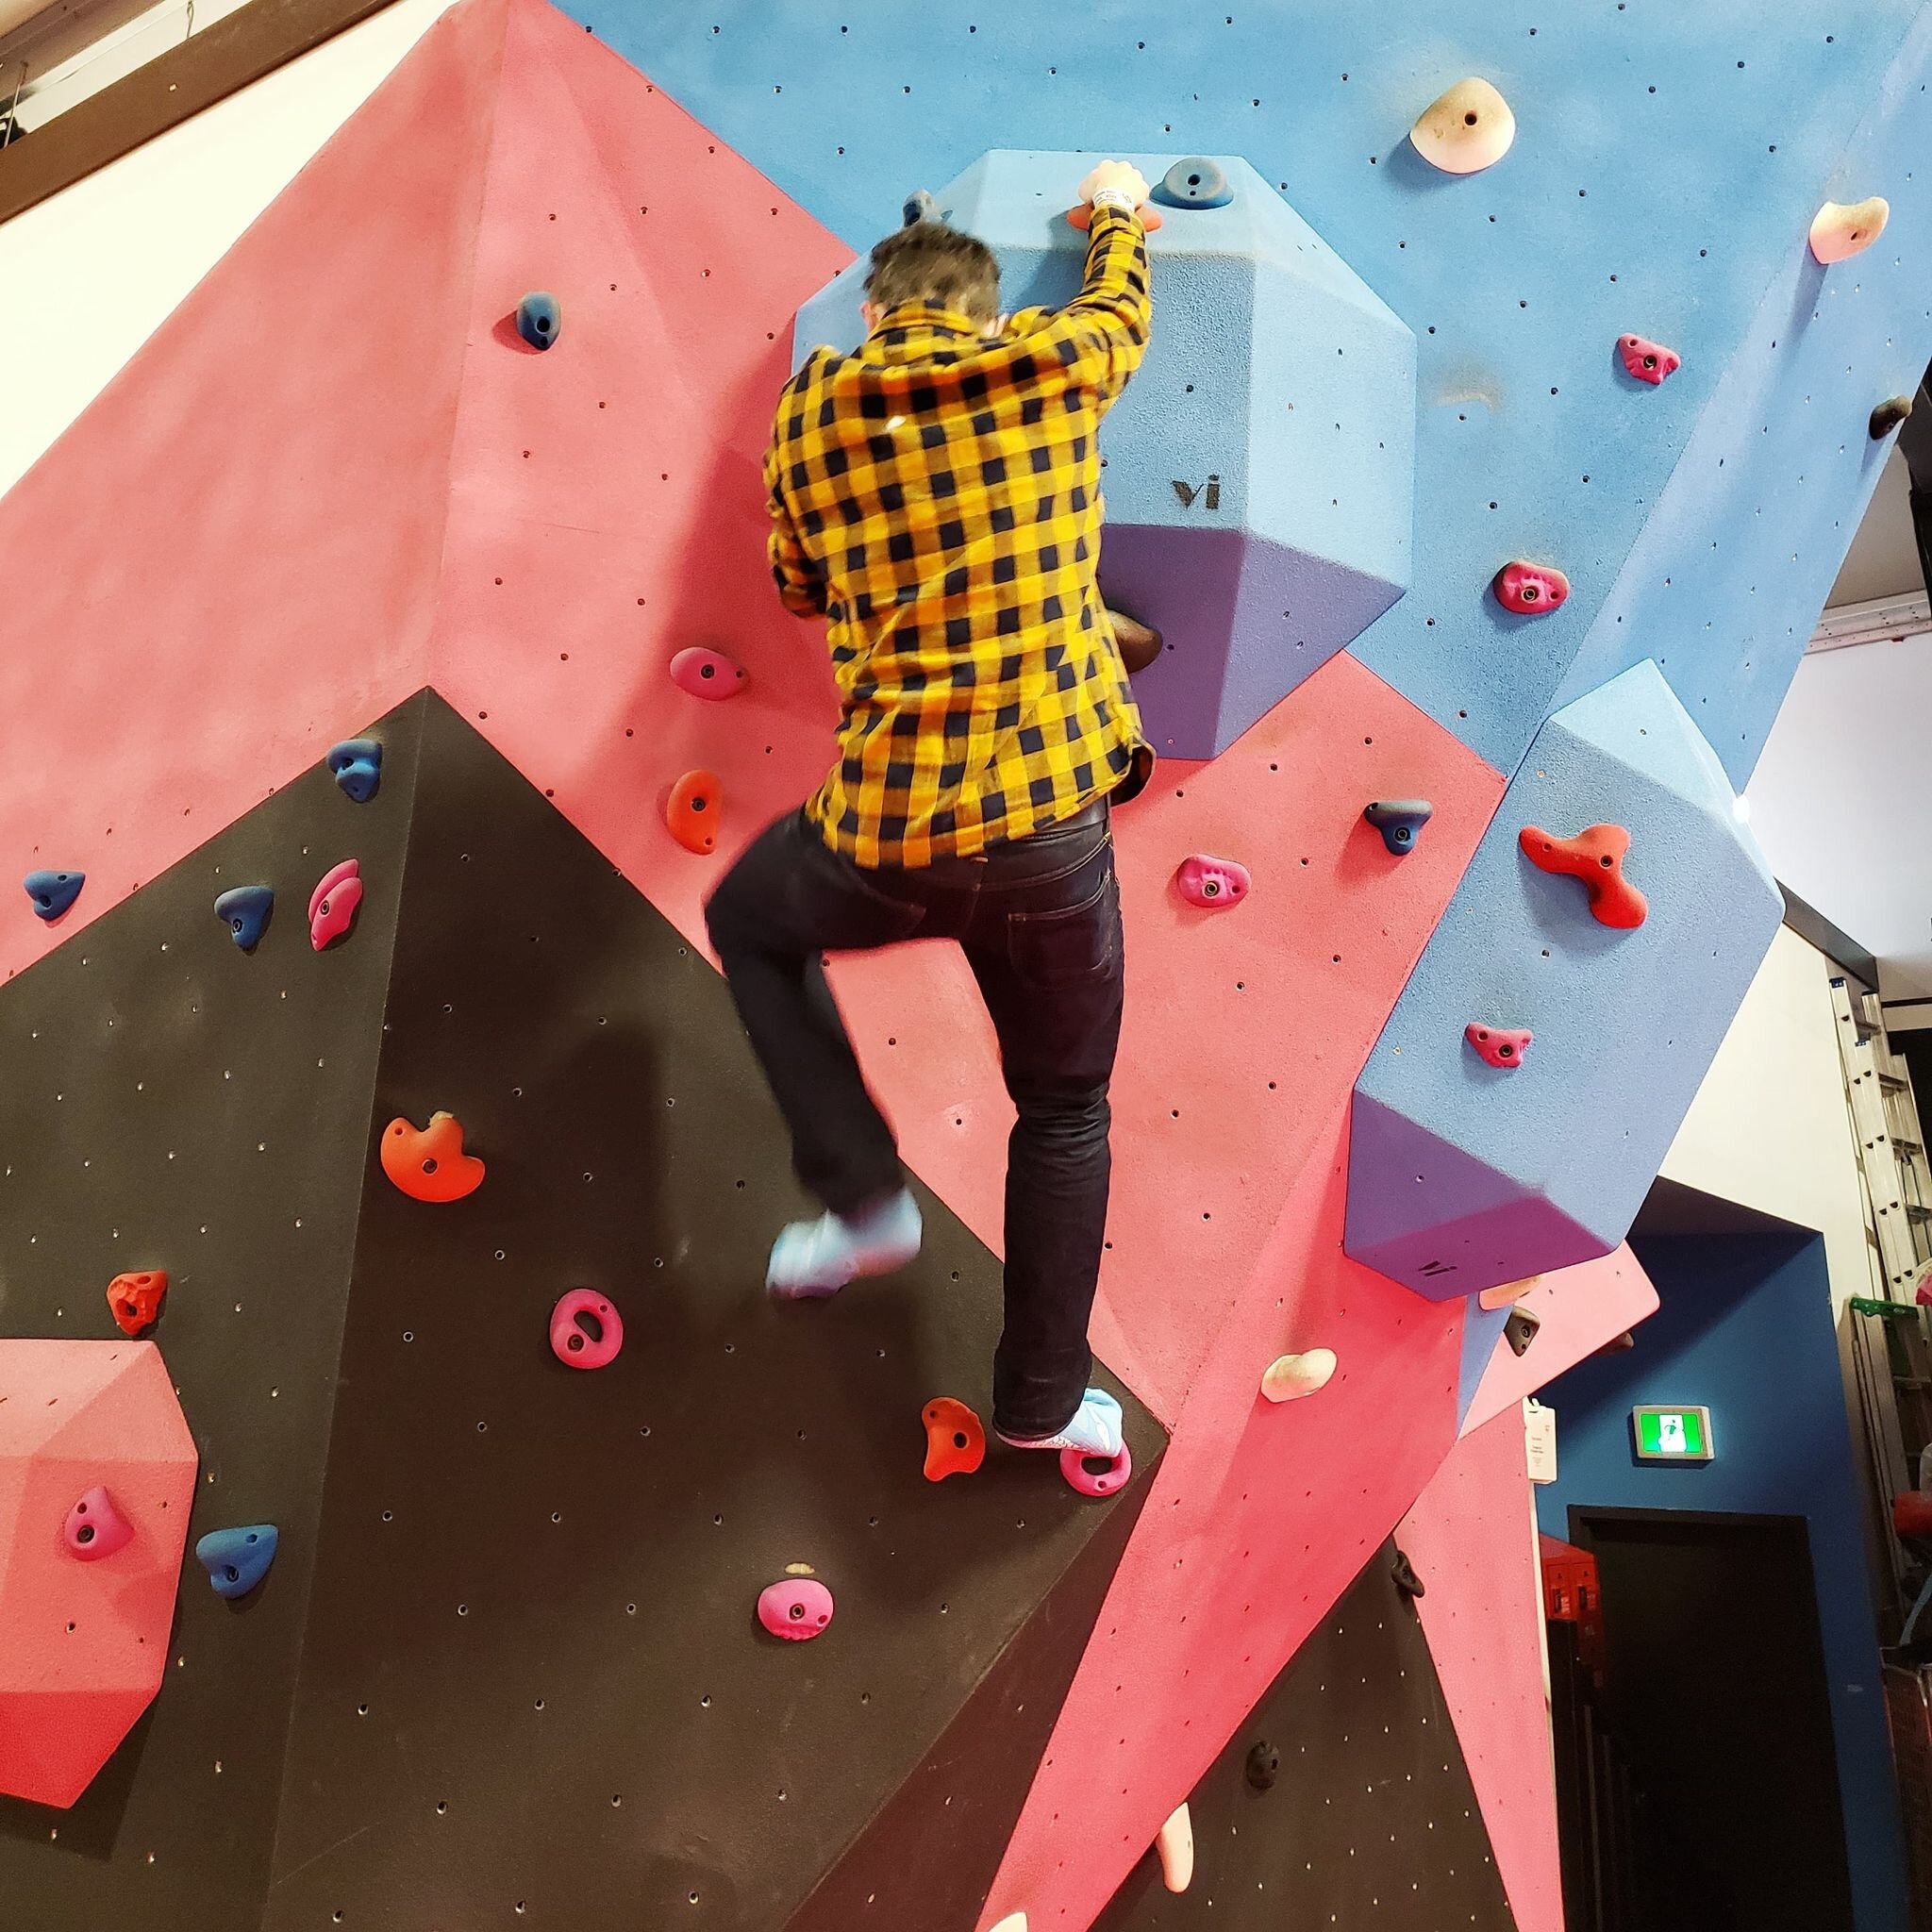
x=426 y=503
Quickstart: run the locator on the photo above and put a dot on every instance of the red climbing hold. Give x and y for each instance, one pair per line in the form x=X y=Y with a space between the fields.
x=955 y=1439
x=1502 y=1046
x=571 y=1321
x=135 y=1300
x=1646 y=361
x=692 y=811
x=333 y=903
x=1531 y=590
x=429 y=1163
x=798 y=1608
x=707 y=675
x=1595 y=855
x=94 y=1528
x=1116 y=1476
x=1213 y=884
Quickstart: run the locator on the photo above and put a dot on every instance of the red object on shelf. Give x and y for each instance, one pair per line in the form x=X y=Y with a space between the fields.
x=1911 y=1513
x=1570 y=1595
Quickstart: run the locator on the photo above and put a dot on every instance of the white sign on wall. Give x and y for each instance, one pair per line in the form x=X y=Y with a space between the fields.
x=1539 y=1438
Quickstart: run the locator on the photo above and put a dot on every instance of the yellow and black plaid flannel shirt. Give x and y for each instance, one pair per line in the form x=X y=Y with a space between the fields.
x=936 y=495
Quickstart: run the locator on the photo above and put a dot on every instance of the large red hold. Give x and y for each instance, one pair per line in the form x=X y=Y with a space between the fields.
x=86 y=1642
x=1595 y=855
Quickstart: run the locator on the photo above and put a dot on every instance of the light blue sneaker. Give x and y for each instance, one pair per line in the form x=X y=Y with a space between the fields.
x=1094 y=1430
x=814 y=1259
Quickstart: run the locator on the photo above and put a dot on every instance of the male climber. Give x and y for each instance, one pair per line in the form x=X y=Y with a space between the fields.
x=935 y=495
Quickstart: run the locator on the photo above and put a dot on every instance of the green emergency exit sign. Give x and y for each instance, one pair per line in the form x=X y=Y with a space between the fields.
x=1671 y=1435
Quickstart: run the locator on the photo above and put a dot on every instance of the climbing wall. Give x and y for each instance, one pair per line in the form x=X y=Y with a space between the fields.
x=509 y=1661
x=1342 y=1797
x=533 y=535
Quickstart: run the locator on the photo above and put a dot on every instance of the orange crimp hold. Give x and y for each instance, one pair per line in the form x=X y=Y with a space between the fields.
x=135 y=1300
x=1595 y=855
x=954 y=1441
x=429 y=1163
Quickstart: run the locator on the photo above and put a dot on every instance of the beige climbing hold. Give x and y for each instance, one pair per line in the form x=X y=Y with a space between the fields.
x=1509 y=1291
x=1291 y=1375
x=1468 y=129
x=1842 y=229
x=1013 y=1922
x=1175 y=1844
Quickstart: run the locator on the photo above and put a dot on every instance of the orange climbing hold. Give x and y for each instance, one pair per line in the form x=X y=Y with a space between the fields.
x=135 y=1300
x=1595 y=855
x=954 y=1441
x=694 y=810
x=1082 y=217
x=429 y=1163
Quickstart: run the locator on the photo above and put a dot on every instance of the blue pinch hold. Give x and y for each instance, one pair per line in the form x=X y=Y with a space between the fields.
x=244 y=911
x=358 y=765
x=1195 y=182
x=539 y=318
x=53 y=893
x=236 y=1560
x=1399 y=819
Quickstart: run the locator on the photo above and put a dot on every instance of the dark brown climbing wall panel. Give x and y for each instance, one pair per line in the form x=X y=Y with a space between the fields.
x=1370 y=1824
x=167 y=1101
x=506 y=1668
x=533 y=1692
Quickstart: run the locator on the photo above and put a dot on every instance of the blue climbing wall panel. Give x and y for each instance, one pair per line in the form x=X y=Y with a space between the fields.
x=1260 y=467
x=1464 y=1175
x=1667 y=164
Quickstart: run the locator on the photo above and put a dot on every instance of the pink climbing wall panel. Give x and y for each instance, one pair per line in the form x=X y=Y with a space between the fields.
x=86 y=1642
x=1471 y=1537
x=1580 y=1308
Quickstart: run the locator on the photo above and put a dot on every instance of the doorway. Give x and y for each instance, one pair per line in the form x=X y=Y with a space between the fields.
x=1714 y=1692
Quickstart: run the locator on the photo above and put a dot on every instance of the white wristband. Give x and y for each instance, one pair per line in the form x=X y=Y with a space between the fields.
x=1115 y=198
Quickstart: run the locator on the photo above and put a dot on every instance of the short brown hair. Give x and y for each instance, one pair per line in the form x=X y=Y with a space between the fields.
x=930 y=263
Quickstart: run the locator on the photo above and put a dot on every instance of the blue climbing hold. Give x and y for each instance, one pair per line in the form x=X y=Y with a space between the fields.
x=236 y=1560
x=244 y=911
x=358 y=765
x=539 y=318
x=1195 y=182
x=53 y=893
x=1399 y=819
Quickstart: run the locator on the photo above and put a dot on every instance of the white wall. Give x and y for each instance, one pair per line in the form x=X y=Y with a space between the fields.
x=1841 y=800
x=92 y=272
x=1769 y=1127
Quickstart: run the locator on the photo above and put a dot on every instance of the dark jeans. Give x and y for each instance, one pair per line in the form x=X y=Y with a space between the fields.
x=1040 y=922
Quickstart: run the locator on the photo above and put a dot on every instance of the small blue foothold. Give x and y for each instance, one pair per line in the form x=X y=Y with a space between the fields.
x=358 y=765
x=244 y=911
x=53 y=893
x=236 y=1560
x=539 y=318
x=1195 y=182
x=1399 y=819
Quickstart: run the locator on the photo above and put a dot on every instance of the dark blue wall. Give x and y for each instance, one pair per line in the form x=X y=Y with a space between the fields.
x=1745 y=1328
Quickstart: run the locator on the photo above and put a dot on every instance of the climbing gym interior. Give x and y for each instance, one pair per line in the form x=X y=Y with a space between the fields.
x=415 y=1514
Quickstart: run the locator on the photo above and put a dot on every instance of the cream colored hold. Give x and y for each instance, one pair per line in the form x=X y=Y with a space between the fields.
x=1468 y=129
x=1013 y=1922
x=1509 y=1292
x=1290 y=1376
x=1175 y=1844
x=1842 y=229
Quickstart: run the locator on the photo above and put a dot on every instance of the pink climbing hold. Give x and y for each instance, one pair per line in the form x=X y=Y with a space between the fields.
x=333 y=903
x=1502 y=1046
x=1213 y=884
x=94 y=1528
x=1531 y=590
x=1646 y=361
x=1116 y=1476
x=571 y=1320
x=796 y=1609
x=707 y=675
